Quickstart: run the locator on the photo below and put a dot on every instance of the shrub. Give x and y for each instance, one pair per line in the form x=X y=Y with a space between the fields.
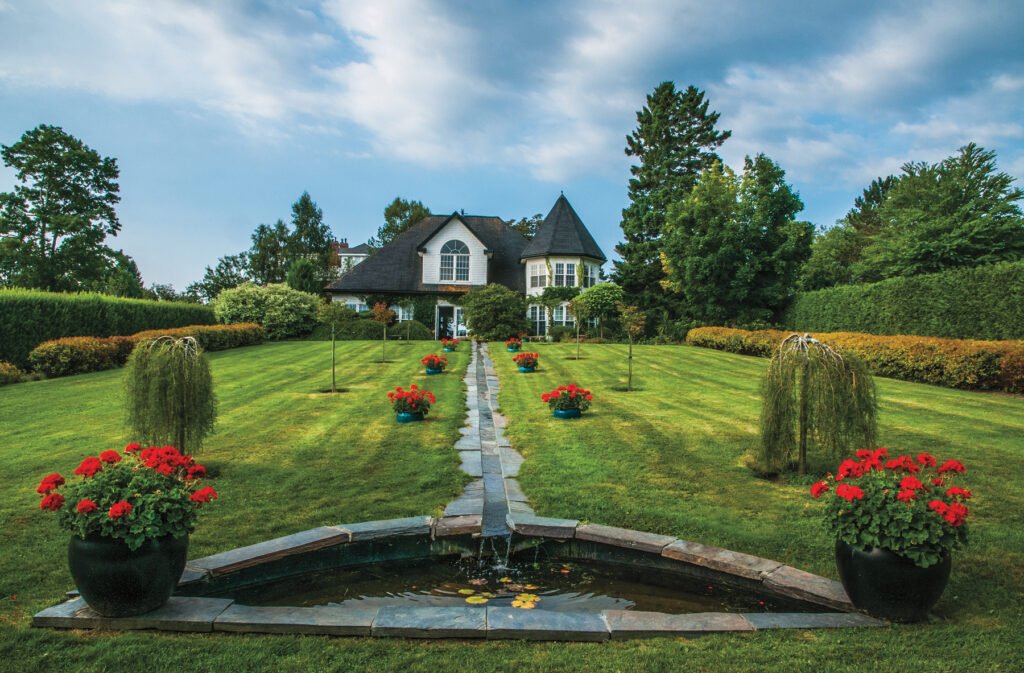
x=30 y=317
x=953 y=363
x=369 y=330
x=9 y=373
x=495 y=312
x=79 y=355
x=283 y=312
x=978 y=303
x=562 y=333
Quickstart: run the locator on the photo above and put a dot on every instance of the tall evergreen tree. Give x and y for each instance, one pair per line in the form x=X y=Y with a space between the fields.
x=399 y=215
x=268 y=257
x=310 y=237
x=674 y=141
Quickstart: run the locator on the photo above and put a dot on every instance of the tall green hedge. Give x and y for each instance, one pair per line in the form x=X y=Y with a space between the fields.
x=30 y=317
x=985 y=302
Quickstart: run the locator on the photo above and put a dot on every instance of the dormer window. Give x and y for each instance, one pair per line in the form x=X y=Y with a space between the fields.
x=455 y=261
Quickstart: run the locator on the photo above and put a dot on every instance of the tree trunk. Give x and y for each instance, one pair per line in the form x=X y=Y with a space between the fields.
x=383 y=343
x=629 y=382
x=577 y=338
x=804 y=376
x=334 y=388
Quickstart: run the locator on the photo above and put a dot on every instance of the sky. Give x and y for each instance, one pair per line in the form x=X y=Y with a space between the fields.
x=220 y=114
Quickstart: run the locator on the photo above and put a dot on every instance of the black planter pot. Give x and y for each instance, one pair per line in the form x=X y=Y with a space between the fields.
x=118 y=582
x=890 y=586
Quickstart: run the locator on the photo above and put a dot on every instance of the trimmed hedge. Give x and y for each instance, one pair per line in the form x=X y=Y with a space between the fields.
x=30 y=317
x=979 y=303
x=79 y=355
x=371 y=330
x=953 y=363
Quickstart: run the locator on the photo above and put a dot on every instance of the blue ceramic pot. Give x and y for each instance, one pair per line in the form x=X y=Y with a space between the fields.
x=512 y=349
x=527 y=370
x=567 y=413
x=431 y=370
x=408 y=417
x=447 y=350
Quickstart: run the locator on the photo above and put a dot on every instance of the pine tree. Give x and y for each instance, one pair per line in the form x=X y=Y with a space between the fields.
x=310 y=238
x=674 y=141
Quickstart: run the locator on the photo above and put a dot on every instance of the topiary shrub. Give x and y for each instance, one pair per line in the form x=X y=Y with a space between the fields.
x=284 y=313
x=79 y=355
x=9 y=373
x=169 y=393
x=495 y=312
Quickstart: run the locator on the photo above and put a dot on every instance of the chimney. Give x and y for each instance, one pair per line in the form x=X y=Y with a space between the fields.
x=343 y=243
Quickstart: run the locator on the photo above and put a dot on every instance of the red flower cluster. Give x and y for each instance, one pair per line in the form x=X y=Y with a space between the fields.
x=952 y=466
x=414 y=400
x=849 y=493
x=52 y=501
x=110 y=456
x=955 y=513
x=168 y=460
x=433 y=361
x=86 y=506
x=50 y=483
x=89 y=467
x=203 y=495
x=514 y=342
x=568 y=397
x=450 y=343
x=528 y=360
x=119 y=509
x=819 y=489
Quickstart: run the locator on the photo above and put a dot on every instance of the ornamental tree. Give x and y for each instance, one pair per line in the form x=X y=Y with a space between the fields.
x=334 y=315
x=600 y=301
x=385 y=316
x=495 y=312
x=633 y=321
x=811 y=393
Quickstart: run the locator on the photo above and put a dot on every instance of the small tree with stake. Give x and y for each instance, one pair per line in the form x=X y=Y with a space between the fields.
x=633 y=321
x=580 y=312
x=170 y=396
x=335 y=315
x=385 y=316
x=813 y=391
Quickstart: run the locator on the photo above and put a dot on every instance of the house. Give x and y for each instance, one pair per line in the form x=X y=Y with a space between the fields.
x=446 y=256
x=344 y=258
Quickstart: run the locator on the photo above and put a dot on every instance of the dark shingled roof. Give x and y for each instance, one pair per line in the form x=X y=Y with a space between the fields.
x=398 y=268
x=563 y=233
x=361 y=249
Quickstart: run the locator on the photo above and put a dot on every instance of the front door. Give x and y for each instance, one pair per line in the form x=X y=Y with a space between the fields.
x=445 y=322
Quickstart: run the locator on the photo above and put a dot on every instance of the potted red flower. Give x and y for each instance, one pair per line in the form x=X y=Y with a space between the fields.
x=449 y=345
x=435 y=364
x=412 y=404
x=568 y=401
x=527 y=361
x=130 y=515
x=513 y=345
x=897 y=522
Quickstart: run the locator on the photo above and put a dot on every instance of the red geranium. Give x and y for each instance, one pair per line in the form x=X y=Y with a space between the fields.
x=849 y=493
x=86 y=506
x=52 y=501
x=203 y=495
x=434 y=361
x=132 y=448
x=89 y=467
x=49 y=483
x=952 y=466
x=570 y=396
x=527 y=360
x=413 y=400
x=819 y=489
x=110 y=456
x=119 y=509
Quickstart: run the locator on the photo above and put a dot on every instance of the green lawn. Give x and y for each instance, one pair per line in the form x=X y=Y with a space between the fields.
x=667 y=458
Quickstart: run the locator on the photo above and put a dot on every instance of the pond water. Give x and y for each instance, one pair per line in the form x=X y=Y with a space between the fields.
x=546 y=585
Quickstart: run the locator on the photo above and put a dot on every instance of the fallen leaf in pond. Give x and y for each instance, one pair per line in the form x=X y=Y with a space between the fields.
x=516 y=587
x=478 y=581
x=476 y=600
x=505 y=580
x=564 y=571
x=530 y=587
x=527 y=598
x=487 y=594
x=466 y=592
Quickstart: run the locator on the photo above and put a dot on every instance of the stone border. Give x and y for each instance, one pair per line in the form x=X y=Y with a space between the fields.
x=206 y=615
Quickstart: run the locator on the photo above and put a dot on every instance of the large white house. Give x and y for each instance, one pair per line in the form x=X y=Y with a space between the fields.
x=446 y=256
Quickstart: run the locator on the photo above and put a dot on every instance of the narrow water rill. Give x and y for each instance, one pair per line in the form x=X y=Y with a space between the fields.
x=488 y=567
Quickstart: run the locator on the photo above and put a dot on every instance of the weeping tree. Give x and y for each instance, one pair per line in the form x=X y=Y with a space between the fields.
x=169 y=393
x=812 y=393
x=633 y=321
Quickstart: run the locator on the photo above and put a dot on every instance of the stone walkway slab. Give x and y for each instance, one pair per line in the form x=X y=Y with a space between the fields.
x=428 y=622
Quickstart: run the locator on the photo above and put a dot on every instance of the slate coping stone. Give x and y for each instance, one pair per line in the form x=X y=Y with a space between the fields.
x=638 y=624
x=723 y=560
x=811 y=620
x=271 y=550
x=430 y=622
x=192 y=575
x=328 y=620
x=528 y=524
x=623 y=537
x=465 y=506
x=513 y=491
x=181 y=613
x=516 y=507
x=458 y=525
x=803 y=585
x=513 y=623
x=372 y=530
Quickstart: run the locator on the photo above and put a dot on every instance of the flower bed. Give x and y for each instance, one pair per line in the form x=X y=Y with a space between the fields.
x=953 y=363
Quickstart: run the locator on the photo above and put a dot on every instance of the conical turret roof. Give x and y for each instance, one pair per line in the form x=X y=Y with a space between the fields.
x=563 y=233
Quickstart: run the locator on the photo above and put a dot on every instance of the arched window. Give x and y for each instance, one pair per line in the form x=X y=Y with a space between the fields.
x=455 y=261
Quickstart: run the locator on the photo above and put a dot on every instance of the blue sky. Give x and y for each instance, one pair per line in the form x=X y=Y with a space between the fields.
x=221 y=113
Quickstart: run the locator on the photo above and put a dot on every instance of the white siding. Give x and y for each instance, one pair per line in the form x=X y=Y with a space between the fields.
x=353 y=302
x=454 y=230
x=551 y=262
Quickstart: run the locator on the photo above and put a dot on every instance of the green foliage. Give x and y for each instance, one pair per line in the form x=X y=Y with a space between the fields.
x=813 y=395
x=30 y=317
x=495 y=312
x=304 y=276
x=732 y=249
x=79 y=355
x=674 y=142
x=269 y=255
x=310 y=238
x=980 y=303
x=158 y=484
x=527 y=226
x=169 y=393
x=231 y=271
x=562 y=333
x=399 y=215
x=833 y=254
x=600 y=301
x=54 y=224
x=368 y=330
x=283 y=312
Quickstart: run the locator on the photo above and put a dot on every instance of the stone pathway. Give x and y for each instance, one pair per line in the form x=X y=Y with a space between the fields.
x=486 y=454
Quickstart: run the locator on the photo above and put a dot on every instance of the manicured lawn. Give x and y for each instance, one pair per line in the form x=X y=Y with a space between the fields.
x=666 y=458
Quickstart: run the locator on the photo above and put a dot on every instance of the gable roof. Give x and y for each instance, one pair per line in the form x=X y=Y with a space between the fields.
x=361 y=249
x=397 y=268
x=563 y=233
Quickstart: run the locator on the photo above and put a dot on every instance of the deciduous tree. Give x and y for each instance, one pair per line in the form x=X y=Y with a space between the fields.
x=399 y=215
